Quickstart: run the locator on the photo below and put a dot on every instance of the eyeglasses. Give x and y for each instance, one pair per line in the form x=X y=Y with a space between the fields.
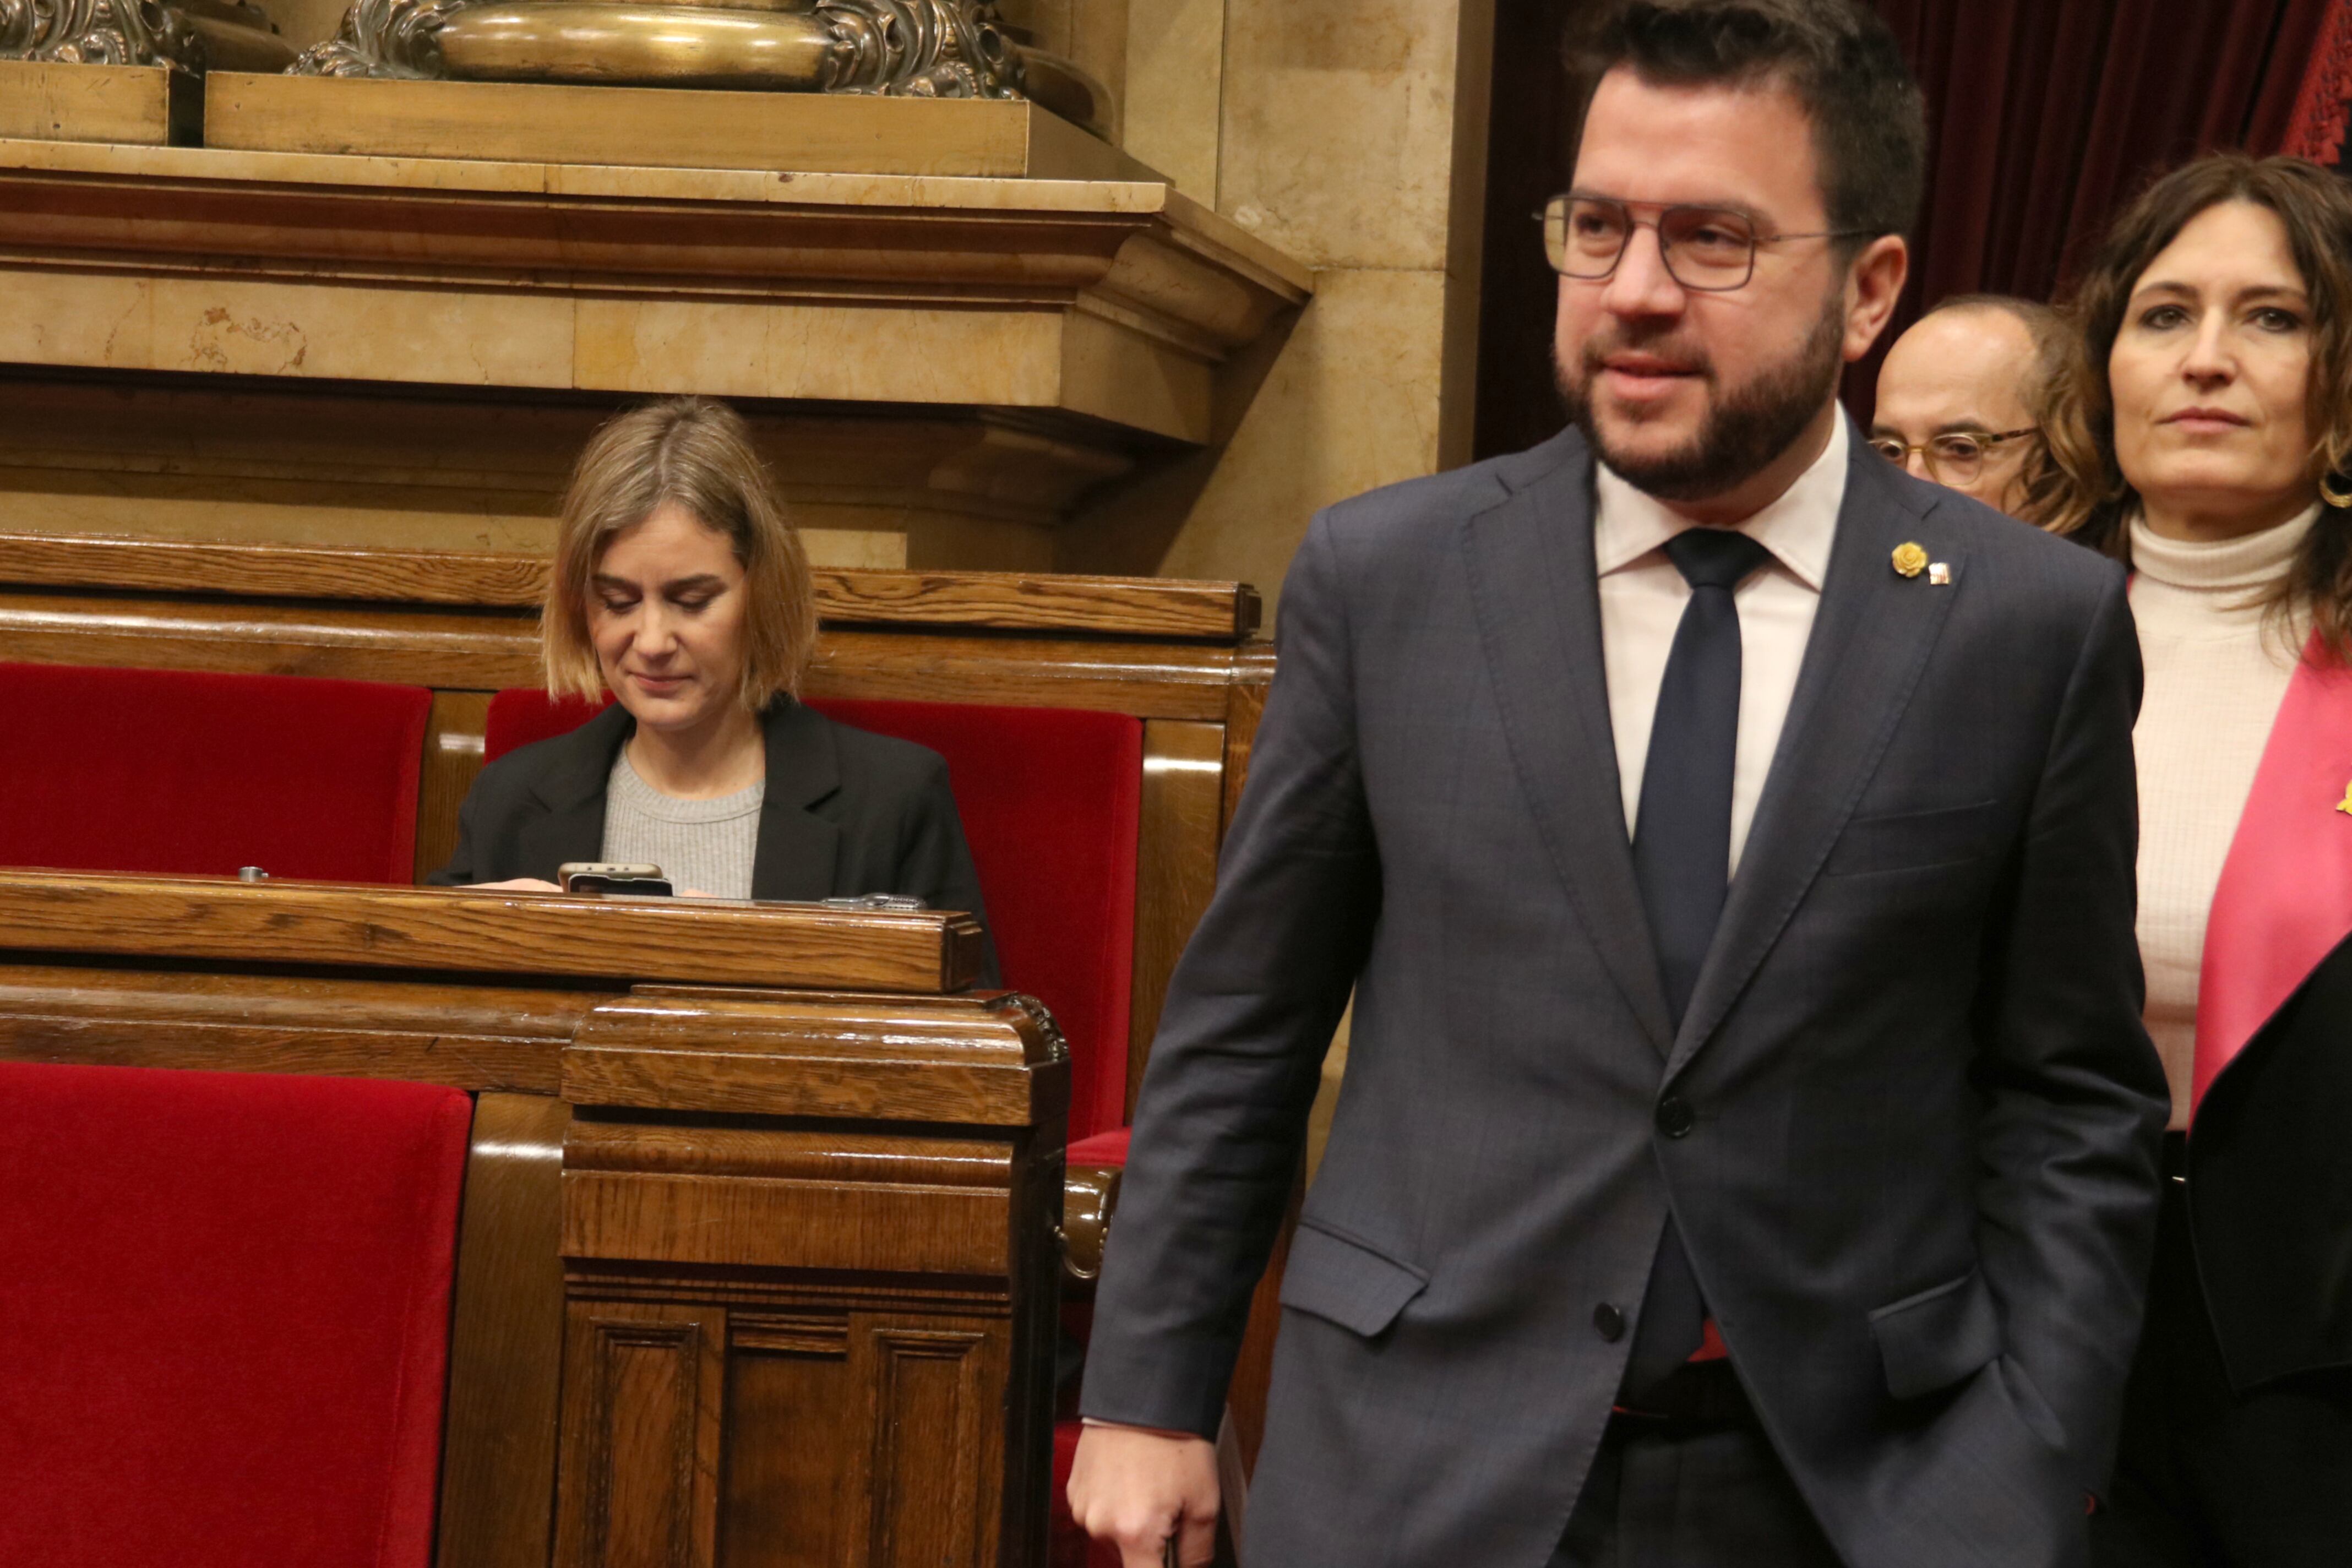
x=1709 y=249
x=1955 y=457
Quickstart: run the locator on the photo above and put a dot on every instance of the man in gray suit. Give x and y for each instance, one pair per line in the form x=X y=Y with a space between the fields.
x=1748 y=1153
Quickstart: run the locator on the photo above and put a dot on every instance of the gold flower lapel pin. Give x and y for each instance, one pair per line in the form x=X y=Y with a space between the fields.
x=1910 y=560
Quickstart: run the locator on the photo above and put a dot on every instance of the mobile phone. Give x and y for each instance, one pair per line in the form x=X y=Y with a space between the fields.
x=896 y=903
x=609 y=877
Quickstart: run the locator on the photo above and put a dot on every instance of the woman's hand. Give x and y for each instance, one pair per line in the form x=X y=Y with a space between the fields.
x=514 y=885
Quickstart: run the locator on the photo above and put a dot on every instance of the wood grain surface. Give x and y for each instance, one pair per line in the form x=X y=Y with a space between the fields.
x=980 y=1061
x=483 y=1037
x=506 y=1339
x=457 y=649
x=990 y=600
x=453 y=760
x=1175 y=867
x=783 y=1223
x=433 y=928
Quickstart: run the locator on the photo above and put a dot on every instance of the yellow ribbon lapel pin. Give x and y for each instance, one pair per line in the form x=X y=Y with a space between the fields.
x=2344 y=806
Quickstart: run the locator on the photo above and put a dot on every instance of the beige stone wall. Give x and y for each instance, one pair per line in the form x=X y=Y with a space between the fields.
x=1352 y=134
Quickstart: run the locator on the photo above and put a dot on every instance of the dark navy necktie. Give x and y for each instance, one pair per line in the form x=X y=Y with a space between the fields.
x=1682 y=861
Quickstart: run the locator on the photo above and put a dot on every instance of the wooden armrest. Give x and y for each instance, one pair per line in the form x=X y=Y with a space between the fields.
x=1089 y=1196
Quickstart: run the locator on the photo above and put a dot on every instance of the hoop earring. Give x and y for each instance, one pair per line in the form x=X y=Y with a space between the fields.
x=2336 y=490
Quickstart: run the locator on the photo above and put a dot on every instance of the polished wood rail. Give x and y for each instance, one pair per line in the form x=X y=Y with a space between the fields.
x=458 y=928
x=995 y=601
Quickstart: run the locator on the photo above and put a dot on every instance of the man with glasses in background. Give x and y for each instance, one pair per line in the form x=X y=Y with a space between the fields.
x=1747 y=1154
x=1962 y=398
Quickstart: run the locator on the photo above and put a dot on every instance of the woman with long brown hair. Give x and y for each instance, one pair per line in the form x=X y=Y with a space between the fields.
x=2205 y=428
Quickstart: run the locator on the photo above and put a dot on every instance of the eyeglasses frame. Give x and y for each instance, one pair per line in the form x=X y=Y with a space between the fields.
x=1928 y=456
x=1756 y=242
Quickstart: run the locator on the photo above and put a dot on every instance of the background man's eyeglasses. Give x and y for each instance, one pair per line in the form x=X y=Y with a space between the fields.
x=1710 y=249
x=1954 y=459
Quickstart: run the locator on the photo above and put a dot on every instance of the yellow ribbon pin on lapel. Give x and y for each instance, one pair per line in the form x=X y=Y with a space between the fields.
x=2344 y=806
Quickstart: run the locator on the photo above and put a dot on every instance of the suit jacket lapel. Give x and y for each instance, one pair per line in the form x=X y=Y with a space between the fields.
x=571 y=792
x=797 y=850
x=1538 y=603
x=1870 y=642
x=2284 y=901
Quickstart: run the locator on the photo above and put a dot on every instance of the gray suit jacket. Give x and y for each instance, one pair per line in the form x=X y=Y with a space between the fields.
x=1920 y=1191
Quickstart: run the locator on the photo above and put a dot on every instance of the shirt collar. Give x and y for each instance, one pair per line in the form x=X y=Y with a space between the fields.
x=1798 y=528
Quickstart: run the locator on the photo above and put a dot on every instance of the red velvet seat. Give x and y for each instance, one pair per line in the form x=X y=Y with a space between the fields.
x=1050 y=799
x=224 y=1317
x=169 y=771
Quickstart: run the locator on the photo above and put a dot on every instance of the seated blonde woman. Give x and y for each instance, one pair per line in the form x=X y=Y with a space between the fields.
x=679 y=587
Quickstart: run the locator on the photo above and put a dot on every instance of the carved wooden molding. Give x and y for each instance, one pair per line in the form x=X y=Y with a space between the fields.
x=822 y=1334
x=643 y=1413
x=926 y=1384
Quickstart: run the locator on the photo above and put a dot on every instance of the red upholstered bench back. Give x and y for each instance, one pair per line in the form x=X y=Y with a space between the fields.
x=224 y=1316
x=169 y=771
x=1050 y=798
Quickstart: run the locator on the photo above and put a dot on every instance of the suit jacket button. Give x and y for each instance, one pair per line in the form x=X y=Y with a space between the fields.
x=1610 y=1322
x=1675 y=1118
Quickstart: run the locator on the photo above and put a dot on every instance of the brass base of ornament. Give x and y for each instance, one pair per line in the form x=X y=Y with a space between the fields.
x=637 y=46
x=892 y=48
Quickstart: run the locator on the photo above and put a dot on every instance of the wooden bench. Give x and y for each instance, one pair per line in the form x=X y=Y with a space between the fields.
x=744 y=1272
x=1179 y=658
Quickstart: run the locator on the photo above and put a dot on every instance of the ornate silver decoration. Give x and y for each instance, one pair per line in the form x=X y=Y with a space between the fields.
x=101 y=31
x=920 y=48
x=382 y=38
x=899 y=48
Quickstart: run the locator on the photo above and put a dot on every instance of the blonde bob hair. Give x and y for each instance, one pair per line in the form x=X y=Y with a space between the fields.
x=696 y=453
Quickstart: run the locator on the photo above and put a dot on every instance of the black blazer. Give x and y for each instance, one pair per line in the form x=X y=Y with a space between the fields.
x=1909 y=1124
x=846 y=812
x=2270 y=1187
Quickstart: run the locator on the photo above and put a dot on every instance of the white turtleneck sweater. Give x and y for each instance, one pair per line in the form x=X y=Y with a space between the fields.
x=2217 y=669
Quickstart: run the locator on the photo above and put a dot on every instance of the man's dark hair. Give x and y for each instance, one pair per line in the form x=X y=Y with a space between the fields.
x=1839 y=60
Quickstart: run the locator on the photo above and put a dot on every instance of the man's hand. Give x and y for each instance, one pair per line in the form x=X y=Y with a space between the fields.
x=1137 y=1486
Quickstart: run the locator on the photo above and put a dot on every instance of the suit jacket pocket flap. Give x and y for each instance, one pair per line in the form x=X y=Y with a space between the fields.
x=1937 y=1336
x=1346 y=1282
x=1908 y=840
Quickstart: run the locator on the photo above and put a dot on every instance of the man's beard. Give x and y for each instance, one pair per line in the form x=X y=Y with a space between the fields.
x=1744 y=430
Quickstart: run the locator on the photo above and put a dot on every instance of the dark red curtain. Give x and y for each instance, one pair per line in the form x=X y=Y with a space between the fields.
x=2045 y=116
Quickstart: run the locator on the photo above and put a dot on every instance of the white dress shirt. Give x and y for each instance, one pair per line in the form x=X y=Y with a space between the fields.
x=1642 y=599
